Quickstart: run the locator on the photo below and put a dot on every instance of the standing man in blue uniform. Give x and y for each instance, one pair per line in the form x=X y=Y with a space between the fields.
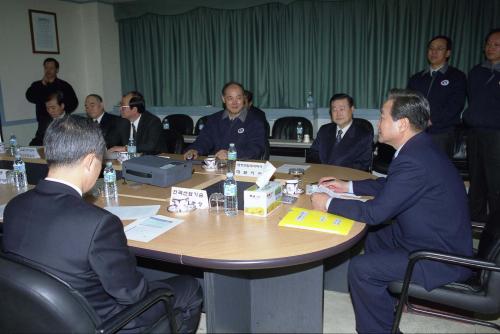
x=483 y=140
x=424 y=194
x=445 y=88
x=346 y=141
x=235 y=124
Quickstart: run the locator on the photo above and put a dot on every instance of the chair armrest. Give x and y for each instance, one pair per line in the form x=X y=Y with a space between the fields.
x=451 y=259
x=115 y=323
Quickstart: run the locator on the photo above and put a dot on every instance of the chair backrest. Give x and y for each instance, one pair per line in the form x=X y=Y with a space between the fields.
x=35 y=301
x=180 y=123
x=174 y=141
x=200 y=123
x=489 y=250
x=286 y=127
x=366 y=124
x=383 y=158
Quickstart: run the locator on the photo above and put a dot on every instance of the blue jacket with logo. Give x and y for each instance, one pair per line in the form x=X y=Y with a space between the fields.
x=446 y=95
x=248 y=136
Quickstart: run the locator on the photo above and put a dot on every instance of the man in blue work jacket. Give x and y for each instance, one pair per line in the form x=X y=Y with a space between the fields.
x=235 y=124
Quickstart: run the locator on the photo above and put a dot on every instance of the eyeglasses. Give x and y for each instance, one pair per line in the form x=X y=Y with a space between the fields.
x=436 y=49
x=124 y=107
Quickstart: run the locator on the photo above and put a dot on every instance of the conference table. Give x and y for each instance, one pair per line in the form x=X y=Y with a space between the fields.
x=257 y=276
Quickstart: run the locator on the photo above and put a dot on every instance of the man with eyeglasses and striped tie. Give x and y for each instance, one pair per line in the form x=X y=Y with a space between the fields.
x=145 y=127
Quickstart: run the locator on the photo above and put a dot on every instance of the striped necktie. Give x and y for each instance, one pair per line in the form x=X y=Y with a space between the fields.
x=339 y=136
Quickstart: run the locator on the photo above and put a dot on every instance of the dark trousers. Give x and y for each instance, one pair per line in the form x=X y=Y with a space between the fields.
x=446 y=141
x=187 y=306
x=483 y=153
x=370 y=274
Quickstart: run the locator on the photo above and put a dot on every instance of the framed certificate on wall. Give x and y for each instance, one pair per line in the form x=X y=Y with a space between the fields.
x=44 y=35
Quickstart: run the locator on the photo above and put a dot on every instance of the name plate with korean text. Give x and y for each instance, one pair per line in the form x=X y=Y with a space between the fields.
x=251 y=169
x=29 y=152
x=189 y=197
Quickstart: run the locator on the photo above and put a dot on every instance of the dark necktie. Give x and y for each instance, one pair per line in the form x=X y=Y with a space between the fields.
x=339 y=136
x=134 y=131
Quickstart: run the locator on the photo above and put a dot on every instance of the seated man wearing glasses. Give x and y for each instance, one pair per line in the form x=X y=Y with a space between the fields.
x=145 y=127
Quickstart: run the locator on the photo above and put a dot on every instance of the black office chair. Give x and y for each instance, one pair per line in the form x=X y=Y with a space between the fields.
x=382 y=158
x=199 y=124
x=180 y=123
x=286 y=127
x=174 y=141
x=35 y=301
x=479 y=295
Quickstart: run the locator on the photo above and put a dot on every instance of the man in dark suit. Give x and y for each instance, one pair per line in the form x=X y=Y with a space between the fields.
x=426 y=197
x=235 y=124
x=345 y=142
x=145 y=127
x=114 y=129
x=445 y=87
x=39 y=91
x=55 y=107
x=83 y=244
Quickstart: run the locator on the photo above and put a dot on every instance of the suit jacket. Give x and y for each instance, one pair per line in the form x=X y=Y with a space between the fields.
x=149 y=138
x=37 y=93
x=82 y=244
x=248 y=136
x=425 y=194
x=116 y=130
x=353 y=151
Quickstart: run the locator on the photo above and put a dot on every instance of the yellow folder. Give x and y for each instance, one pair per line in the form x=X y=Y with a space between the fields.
x=317 y=221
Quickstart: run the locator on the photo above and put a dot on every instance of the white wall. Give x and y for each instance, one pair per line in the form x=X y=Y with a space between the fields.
x=89 y=57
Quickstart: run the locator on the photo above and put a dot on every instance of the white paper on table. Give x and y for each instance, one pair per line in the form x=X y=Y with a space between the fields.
x=268 y=172
x=286 y=167
x=146 y=229
x=331 y=193
x=2 y=208
x=133 y=212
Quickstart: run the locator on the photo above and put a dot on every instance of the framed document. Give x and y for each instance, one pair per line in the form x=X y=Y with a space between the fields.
x=44 y=35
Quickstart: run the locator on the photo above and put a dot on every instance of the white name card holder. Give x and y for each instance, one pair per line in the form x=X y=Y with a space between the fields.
x=251 y=169
x=196 y=197
x=29 y=152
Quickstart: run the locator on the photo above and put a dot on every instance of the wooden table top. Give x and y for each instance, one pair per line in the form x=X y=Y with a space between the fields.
x=210 y=240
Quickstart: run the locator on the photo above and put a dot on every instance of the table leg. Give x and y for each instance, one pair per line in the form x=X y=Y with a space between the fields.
x=273 y=301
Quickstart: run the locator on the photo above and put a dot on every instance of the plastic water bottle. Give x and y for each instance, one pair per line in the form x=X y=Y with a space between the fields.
x=2 y=145
x=230 y=195
x=13 y=144
x=232 y=155
x=309 y=101
x=300 y=132
x=20 y=178
x=131 y=148
x=166 y=124
x=110 y=190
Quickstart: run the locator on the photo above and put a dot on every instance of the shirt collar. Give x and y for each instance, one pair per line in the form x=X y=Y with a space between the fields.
x=442 y=69
x=489 y=65
x=344 y=129
x=136 y=122
x=242 y=116
x=65 y=183
x=98 y=119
